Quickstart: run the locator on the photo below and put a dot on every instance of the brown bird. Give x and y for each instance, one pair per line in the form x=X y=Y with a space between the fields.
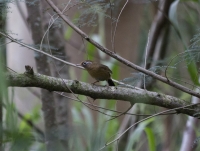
x=98 y=71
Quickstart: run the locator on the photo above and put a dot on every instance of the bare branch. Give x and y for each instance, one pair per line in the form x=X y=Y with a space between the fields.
x=37 y=50
x=119 y=58
x=157 y=114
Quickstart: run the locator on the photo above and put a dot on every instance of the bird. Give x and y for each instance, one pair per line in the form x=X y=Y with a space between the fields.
x=98 y=71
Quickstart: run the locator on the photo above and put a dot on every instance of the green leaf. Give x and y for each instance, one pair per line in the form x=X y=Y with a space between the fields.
x=90 y=51
x=151 y=139
x=68 y=33
x=192 y=69
x=69 y=30
x=134 y=138
x=173 y=13
x=116 y=71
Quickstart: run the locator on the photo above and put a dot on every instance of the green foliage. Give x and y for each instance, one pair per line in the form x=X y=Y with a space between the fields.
x=92 y=133
x=13 y=137
x=20 y=141
x=68 y=33
x=93 y=128
x=116 y=71
x=151 y=139
x=188 y=60
x=33 y=116
x=133 y=80
x=189 y=57
x=192 y=68
x=90 y=10
x=91 y=50
x=134 y=138
x=173 y=13
x=20 y=136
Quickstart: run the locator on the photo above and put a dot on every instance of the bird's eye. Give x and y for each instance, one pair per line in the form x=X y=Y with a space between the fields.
x=84 y=63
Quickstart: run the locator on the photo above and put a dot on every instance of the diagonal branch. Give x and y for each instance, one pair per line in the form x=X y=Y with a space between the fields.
x=119 y=58
x=99 y=92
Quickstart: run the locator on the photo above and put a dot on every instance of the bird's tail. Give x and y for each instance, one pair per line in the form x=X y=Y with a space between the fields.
x=110 y=82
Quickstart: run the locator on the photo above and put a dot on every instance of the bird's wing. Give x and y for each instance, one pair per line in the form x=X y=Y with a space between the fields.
x=105 y=68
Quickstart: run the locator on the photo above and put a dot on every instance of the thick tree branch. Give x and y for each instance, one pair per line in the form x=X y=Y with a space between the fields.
x=99 y=92
x=119 y=58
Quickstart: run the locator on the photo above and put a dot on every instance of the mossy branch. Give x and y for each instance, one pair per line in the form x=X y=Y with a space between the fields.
x=100 y=92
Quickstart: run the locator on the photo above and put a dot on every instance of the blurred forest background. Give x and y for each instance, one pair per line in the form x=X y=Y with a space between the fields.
x=160 y=35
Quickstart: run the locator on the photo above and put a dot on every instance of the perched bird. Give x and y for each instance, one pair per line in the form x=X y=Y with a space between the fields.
x=98 y=71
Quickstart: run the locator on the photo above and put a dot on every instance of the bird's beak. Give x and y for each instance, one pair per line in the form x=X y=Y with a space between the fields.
x=79 y=64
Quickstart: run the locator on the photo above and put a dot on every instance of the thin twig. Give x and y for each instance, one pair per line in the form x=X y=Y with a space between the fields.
x=103 y=108
x=116 y=139
x=58 y=59
x=176 y=57
x=37 y=50
x=53 y=20
x=145 y=58
x=113 y=38
x=111 y=31
x=121 y=59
